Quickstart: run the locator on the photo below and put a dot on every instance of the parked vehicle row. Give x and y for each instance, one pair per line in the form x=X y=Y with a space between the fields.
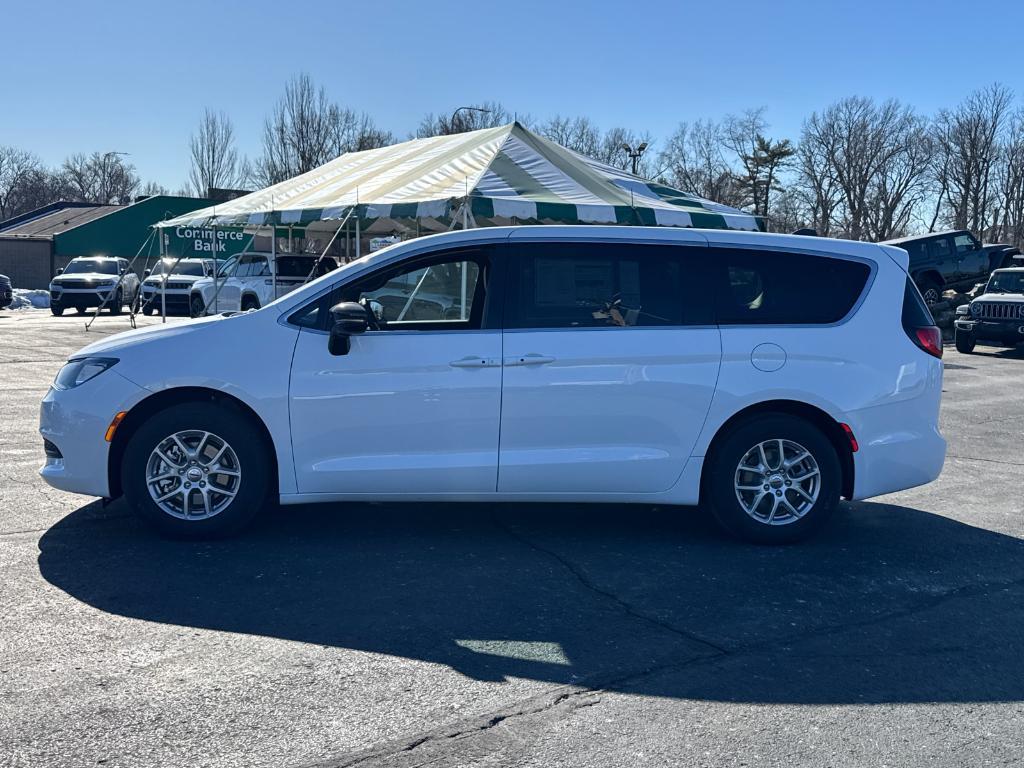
x=807 y=370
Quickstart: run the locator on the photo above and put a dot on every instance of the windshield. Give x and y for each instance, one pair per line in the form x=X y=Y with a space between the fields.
x=1006 y=282
x=103 y=266
x=227 y=267
x=194 y=268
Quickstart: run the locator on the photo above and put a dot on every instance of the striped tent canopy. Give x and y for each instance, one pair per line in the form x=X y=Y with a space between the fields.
x=495 y=176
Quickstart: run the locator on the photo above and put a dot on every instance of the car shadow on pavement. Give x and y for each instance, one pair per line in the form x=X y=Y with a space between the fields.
x=888 y=604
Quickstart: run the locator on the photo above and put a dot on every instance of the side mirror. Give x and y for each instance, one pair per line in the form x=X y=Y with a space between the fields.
x=347 y=319
x=124 y=271
x=147 y=272
x=60 y=270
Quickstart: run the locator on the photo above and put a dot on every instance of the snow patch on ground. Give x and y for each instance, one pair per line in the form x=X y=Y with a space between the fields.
x=30 y=299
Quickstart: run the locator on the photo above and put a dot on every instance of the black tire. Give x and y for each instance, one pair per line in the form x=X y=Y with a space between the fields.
x=722 y=475
x=250 y=302
x=965 y=341
x=931 y=291
x=57 y=310
x=223 y=421
x=148 y=309
x=196 y=306
x=116 y=304
x=79 y=310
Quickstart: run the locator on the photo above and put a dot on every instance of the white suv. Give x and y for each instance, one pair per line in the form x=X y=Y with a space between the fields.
x=247 y=281
x=763 y=376
x=169 y=284
x=94 y=281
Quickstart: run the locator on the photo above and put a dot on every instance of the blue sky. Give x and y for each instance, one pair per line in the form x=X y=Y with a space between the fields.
x=135 y=76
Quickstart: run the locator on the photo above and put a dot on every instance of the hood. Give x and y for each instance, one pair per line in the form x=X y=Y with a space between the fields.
x=121 y=341
x=92 y=276
x=1009 y=298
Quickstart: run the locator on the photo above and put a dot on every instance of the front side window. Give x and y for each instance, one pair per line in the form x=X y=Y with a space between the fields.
x=779 y=288
x=964 y=244
x=227 y=267
x=605 y=285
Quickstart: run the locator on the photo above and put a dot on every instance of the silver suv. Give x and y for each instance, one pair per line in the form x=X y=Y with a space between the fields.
x=94 y=281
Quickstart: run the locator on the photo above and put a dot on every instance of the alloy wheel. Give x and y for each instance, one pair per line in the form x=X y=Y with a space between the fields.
x=193 y=475
x=777 y=482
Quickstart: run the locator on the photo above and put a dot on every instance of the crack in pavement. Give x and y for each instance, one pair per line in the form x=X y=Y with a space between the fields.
x=990 y=461
x=588 y=693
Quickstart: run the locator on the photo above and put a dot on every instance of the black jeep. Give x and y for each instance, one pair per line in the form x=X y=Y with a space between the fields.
x=955 y=260
x=997 y=316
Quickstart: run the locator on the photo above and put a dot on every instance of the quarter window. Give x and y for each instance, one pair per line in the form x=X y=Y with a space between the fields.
x=603 y=285
x=779 y=288
x=940 y=249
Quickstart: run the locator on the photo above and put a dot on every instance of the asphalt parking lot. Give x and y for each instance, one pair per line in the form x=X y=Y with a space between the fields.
x=527 y=635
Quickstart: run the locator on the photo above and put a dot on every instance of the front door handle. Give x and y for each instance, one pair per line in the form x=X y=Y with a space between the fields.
x=473 y=361
x=530 y=359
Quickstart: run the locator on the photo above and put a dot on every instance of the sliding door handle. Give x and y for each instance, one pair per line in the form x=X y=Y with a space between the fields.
x=531 y=359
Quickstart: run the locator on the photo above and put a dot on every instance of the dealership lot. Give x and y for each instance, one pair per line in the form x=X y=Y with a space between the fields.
x=537 y=635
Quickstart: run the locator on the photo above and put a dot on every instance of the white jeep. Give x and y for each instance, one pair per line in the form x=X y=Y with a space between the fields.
x=170 y=283
x=247 y=281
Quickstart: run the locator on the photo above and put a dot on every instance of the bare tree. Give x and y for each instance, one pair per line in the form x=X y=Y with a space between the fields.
x=613 y=150
x=968 y=143
x=103 y=178
x=23 y=182
x=1010 y=178
x=306 y=130
x=576 y=133
x=861 y=157
x=693 y=160
x=215 y=161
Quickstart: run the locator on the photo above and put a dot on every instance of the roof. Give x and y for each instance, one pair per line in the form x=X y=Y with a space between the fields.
x=925 y=236
x=503 y=175
x=49 y=224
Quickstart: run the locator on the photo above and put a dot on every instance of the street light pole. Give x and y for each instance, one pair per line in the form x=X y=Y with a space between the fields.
x=635 y=155
x=470 y=109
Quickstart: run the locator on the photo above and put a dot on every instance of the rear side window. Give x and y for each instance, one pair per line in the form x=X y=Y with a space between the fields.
x=780 y=288
x=915 y=311
x=606 y=285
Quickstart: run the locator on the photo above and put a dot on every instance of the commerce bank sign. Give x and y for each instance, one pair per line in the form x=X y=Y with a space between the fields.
x=204 y=241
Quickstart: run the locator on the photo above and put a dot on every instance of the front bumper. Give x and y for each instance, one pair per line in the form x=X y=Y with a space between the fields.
x=80 y=297
x=175 y=299
x=75 y=421
x=1004 y=331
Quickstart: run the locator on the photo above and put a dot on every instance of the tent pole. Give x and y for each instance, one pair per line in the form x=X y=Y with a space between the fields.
x=273 y=258
x=163 y=285
x=358 y=244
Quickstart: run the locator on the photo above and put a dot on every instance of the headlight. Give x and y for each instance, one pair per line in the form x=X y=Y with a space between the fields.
x=106 y=282
x=77 y=372
x=963 y=309
x=975 y=309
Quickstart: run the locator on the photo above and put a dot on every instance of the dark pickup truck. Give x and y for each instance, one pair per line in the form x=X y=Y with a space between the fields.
x=940 y=261
x=997 y=316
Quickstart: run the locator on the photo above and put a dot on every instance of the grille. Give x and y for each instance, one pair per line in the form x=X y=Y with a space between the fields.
x=1000 y=310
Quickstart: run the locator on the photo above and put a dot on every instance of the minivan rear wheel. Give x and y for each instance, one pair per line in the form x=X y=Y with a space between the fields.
x=196 y=471
x=773 y=479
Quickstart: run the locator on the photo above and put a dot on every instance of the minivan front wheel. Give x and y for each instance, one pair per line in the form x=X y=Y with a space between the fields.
x=774 y=479
x=196 y=470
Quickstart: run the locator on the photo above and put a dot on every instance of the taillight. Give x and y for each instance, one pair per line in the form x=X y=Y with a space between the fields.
x=918 y=323
x=929 y=339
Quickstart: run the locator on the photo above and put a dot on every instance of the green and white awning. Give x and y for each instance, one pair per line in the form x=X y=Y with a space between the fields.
x=505 y=175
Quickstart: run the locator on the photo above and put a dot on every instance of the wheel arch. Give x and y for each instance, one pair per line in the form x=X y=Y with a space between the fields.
x=810 y=413
x=932 y=275
x=159 y=401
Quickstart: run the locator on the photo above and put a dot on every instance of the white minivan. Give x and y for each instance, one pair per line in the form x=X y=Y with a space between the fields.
x=760 y=376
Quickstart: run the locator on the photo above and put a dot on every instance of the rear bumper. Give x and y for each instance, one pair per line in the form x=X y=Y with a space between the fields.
x=897 y=451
